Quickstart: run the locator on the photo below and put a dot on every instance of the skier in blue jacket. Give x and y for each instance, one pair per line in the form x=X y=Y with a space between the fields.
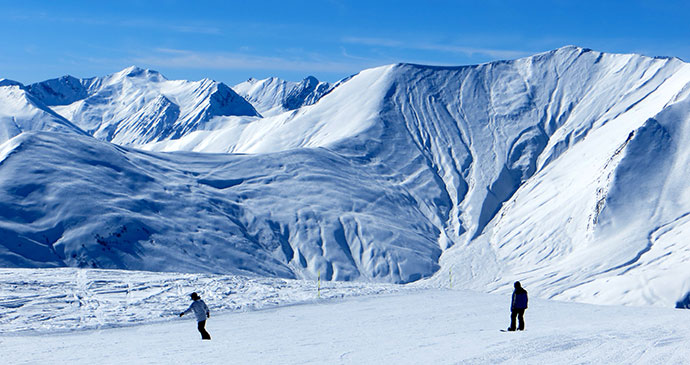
x=201 y=312
x=517 y=307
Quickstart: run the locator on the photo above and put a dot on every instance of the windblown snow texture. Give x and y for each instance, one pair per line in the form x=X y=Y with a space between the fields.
x=79 y=202
x=565 y=170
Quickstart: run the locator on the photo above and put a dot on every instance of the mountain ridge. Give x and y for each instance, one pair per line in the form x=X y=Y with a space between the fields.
x=21 y=111
x=273 y=95
x=525 y=169
x=136 y=105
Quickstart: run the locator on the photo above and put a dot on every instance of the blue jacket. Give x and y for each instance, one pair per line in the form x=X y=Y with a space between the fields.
x=519 y=299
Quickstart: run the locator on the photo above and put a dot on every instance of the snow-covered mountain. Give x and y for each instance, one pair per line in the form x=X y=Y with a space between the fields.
x=272 y=96
x=81 y=202
x=565 y=170
x=7 y=82
x=20 y=112
x=352 y=108
x=61 y=91
x=136 y=106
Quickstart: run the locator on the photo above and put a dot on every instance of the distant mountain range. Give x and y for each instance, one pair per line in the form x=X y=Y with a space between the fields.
x=566 y=170
x=273 y=96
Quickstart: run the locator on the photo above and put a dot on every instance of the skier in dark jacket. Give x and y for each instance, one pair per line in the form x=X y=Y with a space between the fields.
x=517 y=307
x=201 y=312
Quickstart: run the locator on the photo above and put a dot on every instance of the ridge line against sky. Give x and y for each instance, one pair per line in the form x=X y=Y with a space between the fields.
x=233 y=41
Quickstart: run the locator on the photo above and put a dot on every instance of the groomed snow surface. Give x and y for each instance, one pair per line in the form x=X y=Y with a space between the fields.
x=253 y=323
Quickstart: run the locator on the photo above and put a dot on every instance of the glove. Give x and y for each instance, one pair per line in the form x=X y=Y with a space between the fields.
x=208 y=315
x=181 y=314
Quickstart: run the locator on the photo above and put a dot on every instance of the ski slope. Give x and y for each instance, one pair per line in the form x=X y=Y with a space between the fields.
x=423 y=327
x=68 y=299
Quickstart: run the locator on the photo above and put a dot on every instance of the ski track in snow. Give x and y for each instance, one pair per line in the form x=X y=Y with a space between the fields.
x=64 y=299
x=410 y=327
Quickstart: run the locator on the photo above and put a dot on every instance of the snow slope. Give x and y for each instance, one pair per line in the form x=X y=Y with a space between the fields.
x=136 y=106
x=76 y=201
x=273 y=96
x=68 y=299
x=565 y=170
x=8 y=82
x=64 y=90
x=20 y=111
x=350 y=110
x=465 y=140
x=601 y=223
x=430 y=326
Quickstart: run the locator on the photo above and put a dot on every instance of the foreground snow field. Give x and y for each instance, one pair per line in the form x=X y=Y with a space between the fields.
x=66 y=299
x=411 y=327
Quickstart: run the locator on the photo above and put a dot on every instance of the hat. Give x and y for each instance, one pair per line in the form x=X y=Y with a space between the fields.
x=195 y=296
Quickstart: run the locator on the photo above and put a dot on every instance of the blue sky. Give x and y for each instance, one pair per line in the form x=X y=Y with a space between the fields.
x=231 y=41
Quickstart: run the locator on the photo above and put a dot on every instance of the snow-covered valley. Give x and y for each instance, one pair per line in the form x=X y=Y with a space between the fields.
x=566 y=170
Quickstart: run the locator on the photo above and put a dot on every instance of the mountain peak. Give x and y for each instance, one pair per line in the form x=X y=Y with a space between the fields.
x=59 y=91
x=311 y=79
x=20 y=111
x=571 y=47
x=274 y=95
x=137 y=105
x=7 y=82
x=138 y=72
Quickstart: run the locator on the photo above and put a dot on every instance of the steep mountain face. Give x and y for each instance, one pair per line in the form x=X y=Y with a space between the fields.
x=136 y=106
x=565 y=170
x=7 y=82
x=571 y=198
x=605 y=224
x=351 y=109
x=273 y=96
x=61 y=91
x=20 y=111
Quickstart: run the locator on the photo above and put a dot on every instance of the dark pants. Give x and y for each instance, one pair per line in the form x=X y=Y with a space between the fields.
x=520 y=314
x=201 y=326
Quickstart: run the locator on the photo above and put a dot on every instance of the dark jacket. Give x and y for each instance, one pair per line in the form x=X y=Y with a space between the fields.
x=519 y=299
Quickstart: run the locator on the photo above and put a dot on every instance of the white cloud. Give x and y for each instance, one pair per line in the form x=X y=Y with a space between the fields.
x=375 y=42
x=177 y=58
x=468 y=51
